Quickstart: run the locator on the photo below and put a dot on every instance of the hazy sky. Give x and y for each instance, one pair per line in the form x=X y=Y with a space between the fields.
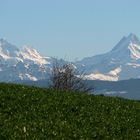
x=71 y=28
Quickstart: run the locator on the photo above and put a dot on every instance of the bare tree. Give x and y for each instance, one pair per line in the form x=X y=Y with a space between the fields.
x=66 y=77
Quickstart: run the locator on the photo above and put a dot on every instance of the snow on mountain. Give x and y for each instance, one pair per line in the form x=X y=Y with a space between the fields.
x=7 y=50
x=31 y=54
x=122 y=62
x=22 y=64
x=113 y=75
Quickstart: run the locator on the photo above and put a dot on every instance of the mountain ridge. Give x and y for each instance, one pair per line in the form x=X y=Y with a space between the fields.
x=120 y=63
x=125 y=56
x=21 y=64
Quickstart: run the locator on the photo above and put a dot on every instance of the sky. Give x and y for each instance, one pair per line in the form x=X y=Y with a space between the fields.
x=71 y=29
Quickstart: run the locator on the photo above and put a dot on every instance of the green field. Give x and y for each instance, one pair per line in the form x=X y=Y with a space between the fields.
x=39 y=114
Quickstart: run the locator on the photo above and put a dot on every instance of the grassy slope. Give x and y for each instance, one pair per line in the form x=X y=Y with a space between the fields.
x=33 y=113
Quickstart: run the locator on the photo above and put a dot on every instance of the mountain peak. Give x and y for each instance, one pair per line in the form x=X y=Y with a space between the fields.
x=7 y=49
x=132 y=35
x=125 y=42
x=133 y=38
x=3 y=41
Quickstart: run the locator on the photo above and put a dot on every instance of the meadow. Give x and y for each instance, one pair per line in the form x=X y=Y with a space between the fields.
x=40 y=113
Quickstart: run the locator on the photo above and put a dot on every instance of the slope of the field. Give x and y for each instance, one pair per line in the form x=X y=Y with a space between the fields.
x=34 y=113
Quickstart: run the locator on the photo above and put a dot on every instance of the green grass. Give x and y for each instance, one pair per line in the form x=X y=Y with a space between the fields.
x=33 y=113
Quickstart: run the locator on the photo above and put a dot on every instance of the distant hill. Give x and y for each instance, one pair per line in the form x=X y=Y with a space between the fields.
x=35 y=113
x=126 y=88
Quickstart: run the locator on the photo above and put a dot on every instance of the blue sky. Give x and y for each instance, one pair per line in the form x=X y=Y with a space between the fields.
x=69 y=28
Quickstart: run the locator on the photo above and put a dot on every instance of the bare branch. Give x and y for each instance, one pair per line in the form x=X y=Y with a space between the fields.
x=65 y=77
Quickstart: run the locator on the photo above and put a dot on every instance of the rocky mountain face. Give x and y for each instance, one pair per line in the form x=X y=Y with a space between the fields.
x=121 y=63
x=22 y=64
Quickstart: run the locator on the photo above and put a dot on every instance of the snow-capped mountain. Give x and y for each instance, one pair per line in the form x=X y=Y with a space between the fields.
x=121 y=63
x=22 y=64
